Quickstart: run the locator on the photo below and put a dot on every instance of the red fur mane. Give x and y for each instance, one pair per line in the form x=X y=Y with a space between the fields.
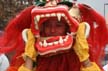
x=12 y=38
x=97 y=38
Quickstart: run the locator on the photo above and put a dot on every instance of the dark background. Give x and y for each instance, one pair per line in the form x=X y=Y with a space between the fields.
x=9 y=8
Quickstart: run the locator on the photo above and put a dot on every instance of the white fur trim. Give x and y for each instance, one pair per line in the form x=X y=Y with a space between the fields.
x=24 y=35
x=87 y=31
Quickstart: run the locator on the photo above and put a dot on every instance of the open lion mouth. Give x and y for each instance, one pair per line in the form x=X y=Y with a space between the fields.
x=41 y=13
x=54 y=44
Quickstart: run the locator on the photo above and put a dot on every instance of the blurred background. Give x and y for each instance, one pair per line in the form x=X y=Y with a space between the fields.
x=9 y=9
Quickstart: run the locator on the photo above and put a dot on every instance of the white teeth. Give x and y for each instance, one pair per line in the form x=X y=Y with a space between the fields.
x=47 y=15
x=53 y=14
x=68 y=33
x=50 y=44
x=66 y=38
x=35 y=20
x=42 y=16
x=63 y=15
x=36 y=25
x=56 y=42
x=40 y=43
x=60 y=40
x=65 y=18
x=45 y=43
x=38 y=18
x=59 y=16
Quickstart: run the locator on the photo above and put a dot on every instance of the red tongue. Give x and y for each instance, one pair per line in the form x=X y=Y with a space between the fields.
x=55 y=38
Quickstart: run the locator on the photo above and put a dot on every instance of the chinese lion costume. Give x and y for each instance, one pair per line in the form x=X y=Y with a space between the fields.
x=85 y=40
